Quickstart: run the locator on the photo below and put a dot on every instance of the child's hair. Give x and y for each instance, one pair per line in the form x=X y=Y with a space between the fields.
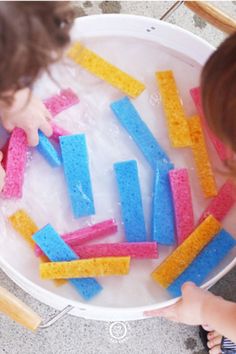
x=32 y=36
x=218 y=87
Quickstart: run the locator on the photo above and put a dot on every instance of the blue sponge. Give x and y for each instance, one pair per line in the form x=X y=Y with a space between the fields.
x=58 y=251
x=130 y=119
x=131 y=200
x=205 y=262
x=76 y=169
x=48 y=151
x=163 y=221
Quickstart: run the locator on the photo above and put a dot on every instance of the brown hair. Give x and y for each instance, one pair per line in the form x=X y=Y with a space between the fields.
x=32 y=36
x=218 y=87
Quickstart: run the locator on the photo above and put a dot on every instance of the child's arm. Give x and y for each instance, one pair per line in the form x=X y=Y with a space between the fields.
x=26 y=112
x=200 y=307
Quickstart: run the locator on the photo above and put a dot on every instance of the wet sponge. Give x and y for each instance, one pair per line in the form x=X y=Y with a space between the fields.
x=76 y=169
x=133 y=249
x=222 y=203
x=203 y=166
x=163 y=223
x=183 y=207
x=182 y=256
x=47 y=150
x=58 y=103
x=130 y=119
x=58 y=251
x=85 y=268
x=131 y=200
x=205 y=262
x=15 y=163
x=24 y=225
x=173 y=108
x=105 y=71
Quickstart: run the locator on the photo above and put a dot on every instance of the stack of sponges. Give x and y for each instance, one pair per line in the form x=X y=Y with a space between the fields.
x=189 y=261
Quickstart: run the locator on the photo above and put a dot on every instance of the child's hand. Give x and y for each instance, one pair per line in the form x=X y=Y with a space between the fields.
x=29 y=113
x=189 y=310
x=2 y=173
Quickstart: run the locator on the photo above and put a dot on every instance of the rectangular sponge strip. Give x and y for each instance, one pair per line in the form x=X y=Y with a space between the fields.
x=184 y=219
x=58 y=103
x=85 y=268
x=182 y=256
x=203 y=166
x=47 y=150
x=58 y=251
x=15 y=164
x=220 y=148
x=93 y=232
x=173 y=109
x=105 y=71
x=130 y=119
x=222 y=203
x=163 y=223
x=140 y=250
x=24 y=225
x=131 y=200
x=205 y=262
x=77 y=175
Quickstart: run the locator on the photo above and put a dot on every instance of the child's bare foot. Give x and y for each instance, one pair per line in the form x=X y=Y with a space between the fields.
x=214 y=342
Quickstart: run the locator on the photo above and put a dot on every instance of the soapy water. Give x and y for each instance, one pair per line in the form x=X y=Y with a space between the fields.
x=45 y=195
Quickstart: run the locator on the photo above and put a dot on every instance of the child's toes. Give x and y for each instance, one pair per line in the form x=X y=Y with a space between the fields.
x=212 y=335
x=214 y=341
x=215 y=350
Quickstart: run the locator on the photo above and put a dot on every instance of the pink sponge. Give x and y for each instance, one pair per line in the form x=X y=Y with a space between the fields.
x=57 y=132
x=15 y=162
x=78 y=237
x=221 y=150
x=182 y=198
x=59 y=103
x=222 y=203
x=132 y=249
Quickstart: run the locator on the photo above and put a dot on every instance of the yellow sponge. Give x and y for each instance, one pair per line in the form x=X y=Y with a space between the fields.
x=57 y=282
x=203 y=166
x=26 y=227
x=84 y=268
x=180 y=259
x=173 y=108
x=105 y=71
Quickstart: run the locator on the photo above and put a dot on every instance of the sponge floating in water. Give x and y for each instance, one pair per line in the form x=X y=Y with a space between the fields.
x=76 y=169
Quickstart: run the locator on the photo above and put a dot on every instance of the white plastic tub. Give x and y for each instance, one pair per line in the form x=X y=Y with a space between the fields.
x=141 y=46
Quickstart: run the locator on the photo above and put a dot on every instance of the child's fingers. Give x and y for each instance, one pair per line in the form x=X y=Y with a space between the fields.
x=32 y=136
x=46 y=128
x=188 y=289
x=47 y=115
x=8 y=125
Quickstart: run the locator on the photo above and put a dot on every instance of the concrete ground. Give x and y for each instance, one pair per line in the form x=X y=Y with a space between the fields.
x=152 y=336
